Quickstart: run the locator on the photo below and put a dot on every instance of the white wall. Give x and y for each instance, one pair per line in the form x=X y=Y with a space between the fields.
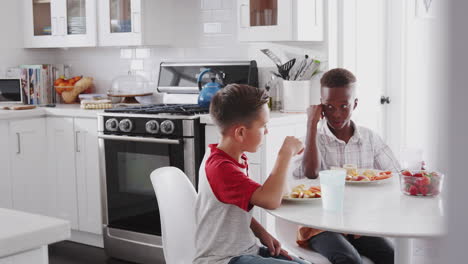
x=12 y=53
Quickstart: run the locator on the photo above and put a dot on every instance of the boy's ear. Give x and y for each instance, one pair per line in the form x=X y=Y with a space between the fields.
x=355 y=103
x=239 y=133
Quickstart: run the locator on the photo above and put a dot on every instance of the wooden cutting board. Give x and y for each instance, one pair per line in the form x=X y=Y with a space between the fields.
x=19 y=107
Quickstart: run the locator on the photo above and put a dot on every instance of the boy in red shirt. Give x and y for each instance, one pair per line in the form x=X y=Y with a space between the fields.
x=226 y=231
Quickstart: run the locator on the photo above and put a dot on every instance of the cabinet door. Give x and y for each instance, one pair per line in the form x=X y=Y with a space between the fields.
x=265 y=20
x=40 y=23
x=61 y=169
x=29 y=165
x=77 y=23
x=120 y=22
x=5 y=176
x=59 y=23
x=87 y=176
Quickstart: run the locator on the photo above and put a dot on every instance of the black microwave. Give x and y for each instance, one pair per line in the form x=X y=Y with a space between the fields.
x=10 y=91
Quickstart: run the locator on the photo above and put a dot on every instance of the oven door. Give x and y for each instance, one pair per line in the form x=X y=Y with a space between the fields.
x=129 y=200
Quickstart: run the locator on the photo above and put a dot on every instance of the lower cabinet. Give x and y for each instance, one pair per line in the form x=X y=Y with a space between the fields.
x=73 y=167
x=28 y=166
x=50 y=166
x=87 y=176
x=6 y=200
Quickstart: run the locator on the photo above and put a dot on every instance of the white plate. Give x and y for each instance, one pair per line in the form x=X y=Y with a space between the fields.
x=360 y=171
x=302 y=200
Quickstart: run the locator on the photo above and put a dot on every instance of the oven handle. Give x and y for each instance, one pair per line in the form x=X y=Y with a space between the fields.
x=142 y=139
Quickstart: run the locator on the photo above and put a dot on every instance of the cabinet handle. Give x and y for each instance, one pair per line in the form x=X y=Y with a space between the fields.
x=76 y=141
x=54 y=26
x=63 y=26
x=242 y=23
x=136 y=22
x=18 y=141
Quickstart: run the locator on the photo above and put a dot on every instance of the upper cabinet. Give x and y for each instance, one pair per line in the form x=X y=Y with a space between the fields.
x=59 y=23
x=135 y=22
x=280 y=20
x=90 y=23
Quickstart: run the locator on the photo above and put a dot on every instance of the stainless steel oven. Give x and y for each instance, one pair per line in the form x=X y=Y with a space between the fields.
x=131 y=147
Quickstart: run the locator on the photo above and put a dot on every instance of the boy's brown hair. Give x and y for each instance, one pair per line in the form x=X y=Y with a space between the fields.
x=236 y=104
x=336 y=78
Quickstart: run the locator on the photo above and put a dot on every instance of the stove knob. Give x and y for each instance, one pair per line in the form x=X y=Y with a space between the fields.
x=152 y=126
x=167 y=127
x=125 y=125
x=112 y=124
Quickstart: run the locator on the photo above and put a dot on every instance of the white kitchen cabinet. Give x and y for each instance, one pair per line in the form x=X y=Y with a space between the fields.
x=87 y=176
x=135 y=22
x=27 y=150
x=280 y=20
x=5 y=176
x=73 y=170
x=61 y=169
x=59 y=23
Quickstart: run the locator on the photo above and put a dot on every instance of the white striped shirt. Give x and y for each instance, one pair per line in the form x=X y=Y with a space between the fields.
x=365 y=149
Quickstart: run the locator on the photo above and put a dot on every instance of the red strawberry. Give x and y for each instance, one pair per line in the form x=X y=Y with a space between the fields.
x=423 y=181
x=407 y=173
x=423 y=190
x=413 y=190
x=418 y=174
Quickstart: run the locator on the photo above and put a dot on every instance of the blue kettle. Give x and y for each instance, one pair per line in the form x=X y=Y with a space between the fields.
x=208 y=90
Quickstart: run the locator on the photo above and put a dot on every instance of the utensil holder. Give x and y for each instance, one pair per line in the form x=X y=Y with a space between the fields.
x=296 y=96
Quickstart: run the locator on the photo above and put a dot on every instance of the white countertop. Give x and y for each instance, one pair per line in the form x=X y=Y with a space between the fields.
x=71 y=110
x=275 y=118
x=376 y=209
x=20 y=231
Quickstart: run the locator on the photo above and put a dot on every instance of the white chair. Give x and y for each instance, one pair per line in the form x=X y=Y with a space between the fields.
x=286 y=232
x=176 y=200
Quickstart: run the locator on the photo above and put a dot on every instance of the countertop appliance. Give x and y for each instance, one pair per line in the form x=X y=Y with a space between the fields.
x=135 y=140
x=10 y=91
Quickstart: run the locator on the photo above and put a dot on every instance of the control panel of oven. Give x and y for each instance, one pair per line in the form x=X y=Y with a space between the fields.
x=154 y=127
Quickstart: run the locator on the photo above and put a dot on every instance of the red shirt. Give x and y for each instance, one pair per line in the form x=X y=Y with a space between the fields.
x=227 y=179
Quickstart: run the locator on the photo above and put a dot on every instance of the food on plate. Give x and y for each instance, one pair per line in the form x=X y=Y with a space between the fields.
x=421 y=183
x=364 y=175
x=301 y=191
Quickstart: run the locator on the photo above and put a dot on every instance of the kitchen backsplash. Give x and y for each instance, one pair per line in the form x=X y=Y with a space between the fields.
x=213 y=36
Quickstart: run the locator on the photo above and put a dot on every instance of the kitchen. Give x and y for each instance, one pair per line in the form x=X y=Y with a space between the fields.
x=359 y=35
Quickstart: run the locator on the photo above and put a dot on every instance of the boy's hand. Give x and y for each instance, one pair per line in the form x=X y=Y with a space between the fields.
x=273 y=245
x=291 y=146
x=315 y=113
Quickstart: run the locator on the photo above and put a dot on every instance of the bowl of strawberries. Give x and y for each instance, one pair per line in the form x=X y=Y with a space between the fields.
x=421 y=182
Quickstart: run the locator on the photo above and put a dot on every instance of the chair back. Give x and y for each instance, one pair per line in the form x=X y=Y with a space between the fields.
x=176 y=200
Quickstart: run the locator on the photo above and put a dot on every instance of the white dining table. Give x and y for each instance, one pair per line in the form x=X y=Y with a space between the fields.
x=373 y=209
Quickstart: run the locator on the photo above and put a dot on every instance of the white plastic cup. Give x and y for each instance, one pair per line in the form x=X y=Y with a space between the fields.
x=332 y=184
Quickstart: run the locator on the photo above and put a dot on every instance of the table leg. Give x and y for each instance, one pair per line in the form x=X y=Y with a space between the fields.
x=402 y=251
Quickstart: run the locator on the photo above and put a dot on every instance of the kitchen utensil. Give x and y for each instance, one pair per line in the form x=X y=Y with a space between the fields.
x=19 y=107
x=285 y=68
x=272 y=56
x=208 y=90
x=301 y=67
x=309 y=70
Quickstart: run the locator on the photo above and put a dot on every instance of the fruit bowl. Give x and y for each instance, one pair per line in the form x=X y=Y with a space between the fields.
x=61 y=89
x=421 y=182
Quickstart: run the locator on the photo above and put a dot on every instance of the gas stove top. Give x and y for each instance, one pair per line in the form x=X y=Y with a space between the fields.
x=175 y=109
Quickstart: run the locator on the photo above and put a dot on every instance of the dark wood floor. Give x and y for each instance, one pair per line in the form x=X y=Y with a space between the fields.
x=74 y=253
